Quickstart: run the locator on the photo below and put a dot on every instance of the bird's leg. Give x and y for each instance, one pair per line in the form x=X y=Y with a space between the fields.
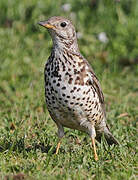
x=60 y=135
x=93 y=135
x=58 y=145
x=94 y=148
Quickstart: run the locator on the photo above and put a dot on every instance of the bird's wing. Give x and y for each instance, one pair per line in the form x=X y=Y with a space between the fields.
x=96 y=85
x=93 y=80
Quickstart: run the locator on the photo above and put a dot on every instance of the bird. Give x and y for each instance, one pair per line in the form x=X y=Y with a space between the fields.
x=73 y=94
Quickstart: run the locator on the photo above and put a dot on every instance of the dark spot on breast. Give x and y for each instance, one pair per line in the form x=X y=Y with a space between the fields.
x=70 y=80
x=70 y=56
x=67 y=74
x=58 y=84
x=59 y=79
x=78 y=78
x=46 y=83
x=78 y=89
x=96 y=103
x=94 y=94
x=63 y=95
x=78 y=81
x=54 y=81
x=69 y=62
x=53 y=97
x=76 y=71
x=52 y=89
x=71 y=103
x=49 y=102
x=52 y=67
x=68 y=96
x=56 y=91
x=88 y=82
x=93 y=115
x=69 y=109
x=66 y=101
x=79 y=63
x=48 y=69
x=88 y=91
x=64 y=88
x=55 y=73
x=48 y=73
x=65 y=58
x=82 y=69
x=78 y=99
x=73 y=34
x=54 y=107
x=64 y=68
x=59 y=59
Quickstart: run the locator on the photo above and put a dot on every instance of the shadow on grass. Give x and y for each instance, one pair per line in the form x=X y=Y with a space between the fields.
x=19 y=146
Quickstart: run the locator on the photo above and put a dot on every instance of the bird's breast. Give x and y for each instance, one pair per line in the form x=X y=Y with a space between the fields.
x=69 y=96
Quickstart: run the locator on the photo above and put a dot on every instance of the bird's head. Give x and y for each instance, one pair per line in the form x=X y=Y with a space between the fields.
x=62 y=32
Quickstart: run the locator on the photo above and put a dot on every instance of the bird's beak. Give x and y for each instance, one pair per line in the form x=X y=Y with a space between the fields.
x=46 y=24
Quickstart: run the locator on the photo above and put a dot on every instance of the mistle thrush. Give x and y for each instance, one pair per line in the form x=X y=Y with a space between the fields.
x=73 y=94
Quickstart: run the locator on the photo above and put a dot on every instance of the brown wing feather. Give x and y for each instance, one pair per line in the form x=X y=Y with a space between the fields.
x=96 y=85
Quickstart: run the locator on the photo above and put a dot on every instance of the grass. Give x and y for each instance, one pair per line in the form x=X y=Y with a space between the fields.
x=27 y=133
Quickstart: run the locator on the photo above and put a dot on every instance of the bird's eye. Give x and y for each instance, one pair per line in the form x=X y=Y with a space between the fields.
x=63 y=24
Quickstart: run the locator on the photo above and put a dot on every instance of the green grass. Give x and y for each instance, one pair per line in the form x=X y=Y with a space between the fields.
x=27 y=133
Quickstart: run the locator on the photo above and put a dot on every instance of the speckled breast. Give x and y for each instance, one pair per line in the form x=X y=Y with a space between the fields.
x=70 y=100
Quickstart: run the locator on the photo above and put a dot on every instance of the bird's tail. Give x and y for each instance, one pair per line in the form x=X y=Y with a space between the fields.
x=108 y=136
